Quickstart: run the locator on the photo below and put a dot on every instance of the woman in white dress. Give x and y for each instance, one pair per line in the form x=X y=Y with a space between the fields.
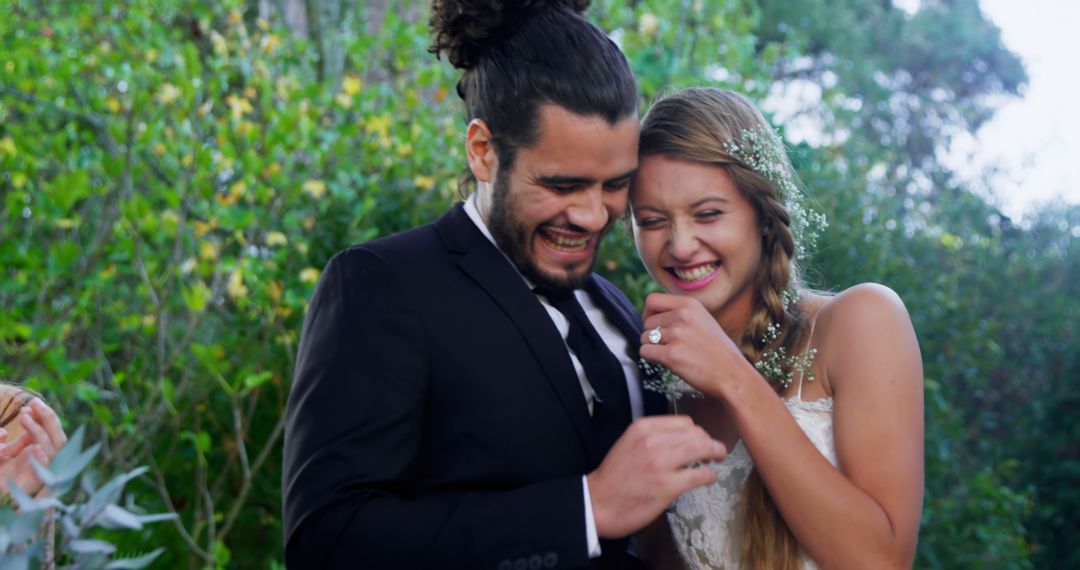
x=818 y=398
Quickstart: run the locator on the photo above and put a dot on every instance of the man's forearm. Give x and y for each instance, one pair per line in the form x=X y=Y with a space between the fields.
x=476 y=529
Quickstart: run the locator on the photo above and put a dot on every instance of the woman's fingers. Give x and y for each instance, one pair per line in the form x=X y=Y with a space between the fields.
x=661 y=302
x=30 y=423
x=12 y=448
x=50 y=421
x=20 y=470
x=39 y=453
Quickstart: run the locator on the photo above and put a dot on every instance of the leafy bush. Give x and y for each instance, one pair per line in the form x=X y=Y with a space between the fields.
x=174 y=176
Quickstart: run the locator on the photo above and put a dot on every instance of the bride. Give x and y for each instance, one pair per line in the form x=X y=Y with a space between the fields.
x=819 y=397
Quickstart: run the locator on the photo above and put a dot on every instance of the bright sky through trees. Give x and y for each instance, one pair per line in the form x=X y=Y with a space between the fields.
x=1030 y=151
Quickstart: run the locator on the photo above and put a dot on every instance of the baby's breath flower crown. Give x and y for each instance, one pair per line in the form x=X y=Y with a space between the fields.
x=760 y=149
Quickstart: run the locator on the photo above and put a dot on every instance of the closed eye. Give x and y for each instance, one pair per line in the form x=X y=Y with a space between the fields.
x=564 y=189
x=709 y=214
x=649 y=222
x=618 y=184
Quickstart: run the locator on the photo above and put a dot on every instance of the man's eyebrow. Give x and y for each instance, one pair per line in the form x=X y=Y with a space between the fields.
x=564 y=180
x=625 y=175
x=557 y=180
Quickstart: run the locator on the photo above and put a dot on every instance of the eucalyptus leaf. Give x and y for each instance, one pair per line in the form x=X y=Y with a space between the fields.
x=69 y=527
x=15 y=561
x=110 y=492
x=88 y=482
x=147 y=519
x=134 y=563
x=91 y=546
x=26 y=527
x=71 y=449
x=25 y=502
x=113 y=517
x=44 y=473
x=69 y=467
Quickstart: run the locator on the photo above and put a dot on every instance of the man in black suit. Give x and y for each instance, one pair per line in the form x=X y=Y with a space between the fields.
x=463 y=389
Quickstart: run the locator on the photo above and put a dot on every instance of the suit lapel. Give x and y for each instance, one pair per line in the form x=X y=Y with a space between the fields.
x=623 y=317
x=493 y=273
x=629 y=323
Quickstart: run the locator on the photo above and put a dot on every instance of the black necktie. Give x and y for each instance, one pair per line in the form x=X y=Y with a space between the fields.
x=611 y=411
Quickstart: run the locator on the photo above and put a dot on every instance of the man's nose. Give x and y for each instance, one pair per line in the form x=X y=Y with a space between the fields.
x=589 y=211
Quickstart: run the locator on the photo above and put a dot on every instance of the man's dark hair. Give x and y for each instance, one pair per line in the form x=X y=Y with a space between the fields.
x=519 y=55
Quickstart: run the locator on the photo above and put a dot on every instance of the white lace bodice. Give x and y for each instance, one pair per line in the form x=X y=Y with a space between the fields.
x=706 y=523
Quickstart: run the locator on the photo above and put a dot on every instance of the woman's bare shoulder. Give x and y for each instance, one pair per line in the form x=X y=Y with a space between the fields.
x=861 y=328
x=865 y=303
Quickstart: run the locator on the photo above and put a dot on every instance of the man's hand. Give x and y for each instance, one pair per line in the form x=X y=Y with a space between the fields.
x=647 y=468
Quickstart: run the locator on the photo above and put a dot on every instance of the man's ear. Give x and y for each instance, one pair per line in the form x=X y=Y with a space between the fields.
x=481 y=152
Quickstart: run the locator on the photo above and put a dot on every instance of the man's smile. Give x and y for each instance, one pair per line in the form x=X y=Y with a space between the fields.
x=565 y=241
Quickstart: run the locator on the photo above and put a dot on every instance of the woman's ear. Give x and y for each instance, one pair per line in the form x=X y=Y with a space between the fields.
x=478 y=146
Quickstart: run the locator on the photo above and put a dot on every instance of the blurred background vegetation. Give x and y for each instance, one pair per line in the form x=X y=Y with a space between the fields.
x=175 y=173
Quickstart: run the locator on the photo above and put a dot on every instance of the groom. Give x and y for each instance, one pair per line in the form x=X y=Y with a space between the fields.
x=463 y=389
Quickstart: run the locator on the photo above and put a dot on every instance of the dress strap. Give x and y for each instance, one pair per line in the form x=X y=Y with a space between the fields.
x=802 y=372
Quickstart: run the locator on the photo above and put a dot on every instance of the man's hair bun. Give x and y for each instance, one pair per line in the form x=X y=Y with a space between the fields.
x=465 y=28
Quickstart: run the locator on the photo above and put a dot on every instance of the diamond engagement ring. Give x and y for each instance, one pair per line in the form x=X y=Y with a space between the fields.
x=655 y=336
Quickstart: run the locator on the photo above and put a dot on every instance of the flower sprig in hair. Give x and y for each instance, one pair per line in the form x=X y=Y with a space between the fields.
x=779 y=368
x=760 y=149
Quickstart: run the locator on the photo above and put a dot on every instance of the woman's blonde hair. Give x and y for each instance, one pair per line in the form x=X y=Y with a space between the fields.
x=707 y=125
x=12 y=399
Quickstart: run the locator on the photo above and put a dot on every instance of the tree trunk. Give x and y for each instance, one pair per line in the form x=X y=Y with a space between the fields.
x=296 y=16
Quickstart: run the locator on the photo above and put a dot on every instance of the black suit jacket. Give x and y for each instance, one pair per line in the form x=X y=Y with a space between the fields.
x=435 y=419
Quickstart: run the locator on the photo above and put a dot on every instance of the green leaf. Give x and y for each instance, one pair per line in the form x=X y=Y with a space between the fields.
x=222 y=554
x=255 y=380
x=203 y=442
x=68 y=188
x=196 y=296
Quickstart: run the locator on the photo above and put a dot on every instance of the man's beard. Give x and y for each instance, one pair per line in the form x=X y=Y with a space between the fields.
x=513 y=239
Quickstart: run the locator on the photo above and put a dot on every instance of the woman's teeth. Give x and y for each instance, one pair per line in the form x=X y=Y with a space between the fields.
x=696 y=273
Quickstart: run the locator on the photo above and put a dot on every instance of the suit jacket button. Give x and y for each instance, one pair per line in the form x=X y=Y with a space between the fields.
x=550 y=560
x=536 y=562
x=521 y=564
x=505 y=565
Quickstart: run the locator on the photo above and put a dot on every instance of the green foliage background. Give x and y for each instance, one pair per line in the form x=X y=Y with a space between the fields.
x=174 y=174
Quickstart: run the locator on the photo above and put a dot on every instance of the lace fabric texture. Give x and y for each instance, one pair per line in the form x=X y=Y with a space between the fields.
x=706 y=523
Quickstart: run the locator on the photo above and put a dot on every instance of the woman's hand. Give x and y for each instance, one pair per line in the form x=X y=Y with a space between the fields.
x=43 y=437
x=692 y=344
